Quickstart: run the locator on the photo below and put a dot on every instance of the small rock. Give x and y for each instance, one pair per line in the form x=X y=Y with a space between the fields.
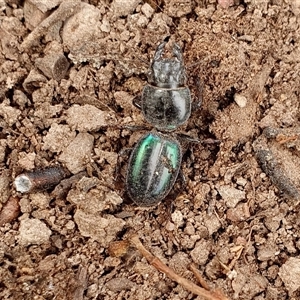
x=147 y=10
x=189 y=229
x=9 y=114
x=247 y=284
x=238 y=213
x=101 y=229
x=180 y=262
x=212 y=223
x=105 y=26
x=170 y=226
x=178 y=8
x=124 y=7
x=231 y=195
x=40 y=200
x=20 y=98
x=201 y=252
x=289 y=272
x=226 y=3
x=124 y=99
x=45 y=5
x=25 y=205
x=240 y=100
x=241 y=181
x=110 y=157
x=33 y=231
x=54 y=65
x=95 y=200
x=3 y=144
x=26 y=160
x=13 y=25
x=9 y=45
x=33 y=15
x=87 y=118
x=177 y=218
x=80 y=29
x=58 y=137
x=78 y=153
x=267 y=252
x=33 y=81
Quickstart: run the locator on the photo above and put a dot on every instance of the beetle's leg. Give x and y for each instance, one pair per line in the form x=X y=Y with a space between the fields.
x=159 y=51
x=136 y=127
x=198 y=101
x=189 y=139
x=182 y=177
x=122 y=153
x=177 y=52
x=137 y=102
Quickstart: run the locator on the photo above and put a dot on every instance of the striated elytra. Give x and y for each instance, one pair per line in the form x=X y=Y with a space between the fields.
x=153 y=168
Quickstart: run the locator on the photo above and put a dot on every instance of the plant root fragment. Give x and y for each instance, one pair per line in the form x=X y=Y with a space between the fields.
x=66 y=9
x=192 y=287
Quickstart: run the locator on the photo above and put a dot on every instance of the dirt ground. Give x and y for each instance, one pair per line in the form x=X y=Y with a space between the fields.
x=69 y=72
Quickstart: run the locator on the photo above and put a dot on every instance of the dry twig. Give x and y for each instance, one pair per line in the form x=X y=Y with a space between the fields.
x=66 y=9
x=159 y=265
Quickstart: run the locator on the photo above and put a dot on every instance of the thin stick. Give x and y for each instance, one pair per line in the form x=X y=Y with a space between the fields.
x=199 y=277
x=66 y=9
x=159 y=265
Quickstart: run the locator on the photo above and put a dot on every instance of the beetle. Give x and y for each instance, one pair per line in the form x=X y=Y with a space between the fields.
x=155 y=161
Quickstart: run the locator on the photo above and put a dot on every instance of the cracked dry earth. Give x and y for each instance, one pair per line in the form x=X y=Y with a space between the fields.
x=68 y=73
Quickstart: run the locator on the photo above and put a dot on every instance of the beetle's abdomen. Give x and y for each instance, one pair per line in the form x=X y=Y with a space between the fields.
x=166 y=109
x=153 y=168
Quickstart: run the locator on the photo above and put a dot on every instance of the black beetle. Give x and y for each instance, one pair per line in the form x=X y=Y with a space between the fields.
x=155 y=161
x=166 y=100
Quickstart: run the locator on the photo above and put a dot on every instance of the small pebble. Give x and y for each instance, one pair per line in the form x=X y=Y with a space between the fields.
x=147 y=10
x=124 y=7
x=289 y=272
x=226 y=3
x=87 y=118
x=33 y=231
x=177 y=218
x=78 y=153
x=201 y=252
x=231 y=196
x=240 y=100
x=53 y=65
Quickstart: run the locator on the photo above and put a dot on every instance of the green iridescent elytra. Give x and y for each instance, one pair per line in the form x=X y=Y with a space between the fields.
x=153 y=168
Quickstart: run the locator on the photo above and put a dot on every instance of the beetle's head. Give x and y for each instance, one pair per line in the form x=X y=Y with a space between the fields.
x=167 y=72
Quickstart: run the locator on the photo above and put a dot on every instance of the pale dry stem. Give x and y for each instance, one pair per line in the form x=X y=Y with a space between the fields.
x=159 y=265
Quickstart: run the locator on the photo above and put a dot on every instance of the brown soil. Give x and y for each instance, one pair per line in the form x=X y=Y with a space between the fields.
x=69 y=72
